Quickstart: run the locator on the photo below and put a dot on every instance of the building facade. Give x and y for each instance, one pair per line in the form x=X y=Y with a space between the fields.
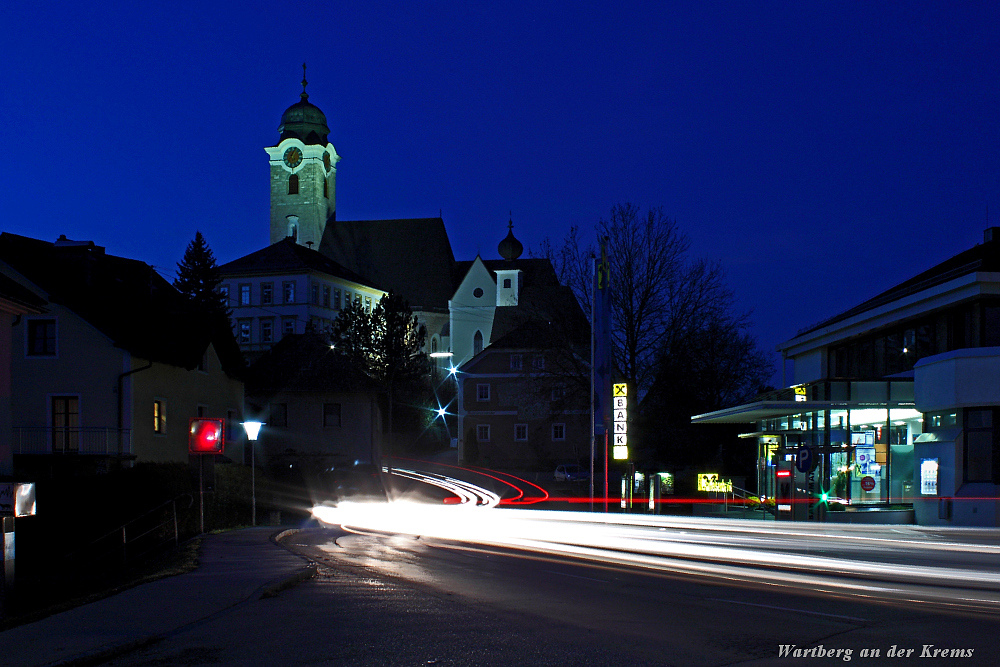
x=893 y=403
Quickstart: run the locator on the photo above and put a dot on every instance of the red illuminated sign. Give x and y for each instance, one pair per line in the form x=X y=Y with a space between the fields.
x=783 y=473
x=206 y=436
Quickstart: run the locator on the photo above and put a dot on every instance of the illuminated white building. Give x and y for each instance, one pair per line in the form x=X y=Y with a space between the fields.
x=893 y=403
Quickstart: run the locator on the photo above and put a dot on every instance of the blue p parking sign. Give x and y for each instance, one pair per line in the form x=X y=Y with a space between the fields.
x=804 y=459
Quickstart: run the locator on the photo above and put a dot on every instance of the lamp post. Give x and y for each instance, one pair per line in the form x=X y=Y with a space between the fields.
x=253 y=429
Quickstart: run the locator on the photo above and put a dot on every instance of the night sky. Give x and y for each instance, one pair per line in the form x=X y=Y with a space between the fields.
x=820 y=153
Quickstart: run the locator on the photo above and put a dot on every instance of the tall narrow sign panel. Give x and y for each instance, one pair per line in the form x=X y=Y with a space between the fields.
x=619 y=398
x=602 y=342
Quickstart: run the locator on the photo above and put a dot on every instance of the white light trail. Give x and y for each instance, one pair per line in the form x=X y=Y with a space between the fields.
x=867 y=561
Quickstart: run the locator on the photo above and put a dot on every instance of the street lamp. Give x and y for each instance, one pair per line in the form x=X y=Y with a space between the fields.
x=253 y=430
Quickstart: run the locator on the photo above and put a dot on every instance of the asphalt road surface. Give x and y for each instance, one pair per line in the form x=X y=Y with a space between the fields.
x=396 y=598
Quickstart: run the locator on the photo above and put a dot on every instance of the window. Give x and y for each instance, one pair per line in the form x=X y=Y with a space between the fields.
x=347 y=299
x=65 y=423
x=266 y=294
x=41 y=338
x=331 y=414
x=243 y=331
x=558 y=393
x=314 y=294
x=483 y=432
x=287 y=326
x=515 y=362
x=326 y=188
x=266 y=330
x=203 y=362
x=521 y=432
x=245 y=294
x=482 y=392
x=293 y=184
x=159 y=416
x=434 y=344
x=538 y=362
x=278 y=416
x=288 y=291
x=336 y=299
x=980 y=446
x=326 y=296
x=559 y=431
x=477 y=343
x=506 y=283
x=368 y=304
x=224 y=293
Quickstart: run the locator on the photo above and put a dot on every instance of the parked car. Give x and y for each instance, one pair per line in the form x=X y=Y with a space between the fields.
x=571 y=472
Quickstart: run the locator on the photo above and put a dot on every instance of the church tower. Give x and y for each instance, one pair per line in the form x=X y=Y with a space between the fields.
x=303 y=174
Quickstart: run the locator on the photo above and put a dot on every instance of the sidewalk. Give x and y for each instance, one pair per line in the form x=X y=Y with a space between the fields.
x=234 y=567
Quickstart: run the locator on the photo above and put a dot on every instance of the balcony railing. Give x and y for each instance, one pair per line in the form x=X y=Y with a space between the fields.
x=85 y=441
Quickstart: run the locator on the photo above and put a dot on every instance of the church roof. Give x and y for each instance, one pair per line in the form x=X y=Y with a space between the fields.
x=537 y=272
x=411 y=256
x=287 y=256
x=124 y=299
x=546 y=316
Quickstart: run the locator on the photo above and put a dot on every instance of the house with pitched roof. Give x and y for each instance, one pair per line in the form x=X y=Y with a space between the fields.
x=285 y=289
x=114 y=363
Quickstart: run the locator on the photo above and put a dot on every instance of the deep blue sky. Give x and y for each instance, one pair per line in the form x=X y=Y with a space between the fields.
x=820 y=153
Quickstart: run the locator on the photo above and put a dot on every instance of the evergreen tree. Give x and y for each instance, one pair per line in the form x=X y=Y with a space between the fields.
x=198 y=278
x=388 y=344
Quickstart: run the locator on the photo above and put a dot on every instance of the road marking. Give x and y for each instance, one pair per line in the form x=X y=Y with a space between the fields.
x=576 y=576
x=797 y=611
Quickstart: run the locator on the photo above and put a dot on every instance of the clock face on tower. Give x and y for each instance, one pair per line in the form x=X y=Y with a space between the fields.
x=292 y=157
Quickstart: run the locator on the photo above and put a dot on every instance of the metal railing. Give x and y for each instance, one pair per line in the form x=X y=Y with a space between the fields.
x=86 y=441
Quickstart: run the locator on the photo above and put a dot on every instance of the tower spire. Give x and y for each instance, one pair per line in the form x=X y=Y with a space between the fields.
x=304 y=95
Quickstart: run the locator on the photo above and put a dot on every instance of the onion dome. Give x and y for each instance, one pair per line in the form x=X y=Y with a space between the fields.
x=303 y=120
x=510 y=248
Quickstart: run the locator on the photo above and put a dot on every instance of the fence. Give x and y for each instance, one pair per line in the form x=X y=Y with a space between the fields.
x=87 y=441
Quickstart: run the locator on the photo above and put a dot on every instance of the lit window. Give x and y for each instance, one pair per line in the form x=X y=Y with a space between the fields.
x=515 y=362
x=482 y=392
x=521 y=432
x=483 y=432
x=245 y=295
x=331 y=414
x=244 y=332
x=288 y=291
x=266 y=294
x=159 y=416
x=559 y=431
x=41 y=338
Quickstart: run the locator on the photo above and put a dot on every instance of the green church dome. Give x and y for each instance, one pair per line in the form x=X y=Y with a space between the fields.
x=304 y=121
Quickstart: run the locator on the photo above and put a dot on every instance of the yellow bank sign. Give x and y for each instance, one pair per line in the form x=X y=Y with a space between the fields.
x=619 y=432
x=712 y=483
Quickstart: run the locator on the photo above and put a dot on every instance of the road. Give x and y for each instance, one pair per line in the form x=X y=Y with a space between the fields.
x=476 y=584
